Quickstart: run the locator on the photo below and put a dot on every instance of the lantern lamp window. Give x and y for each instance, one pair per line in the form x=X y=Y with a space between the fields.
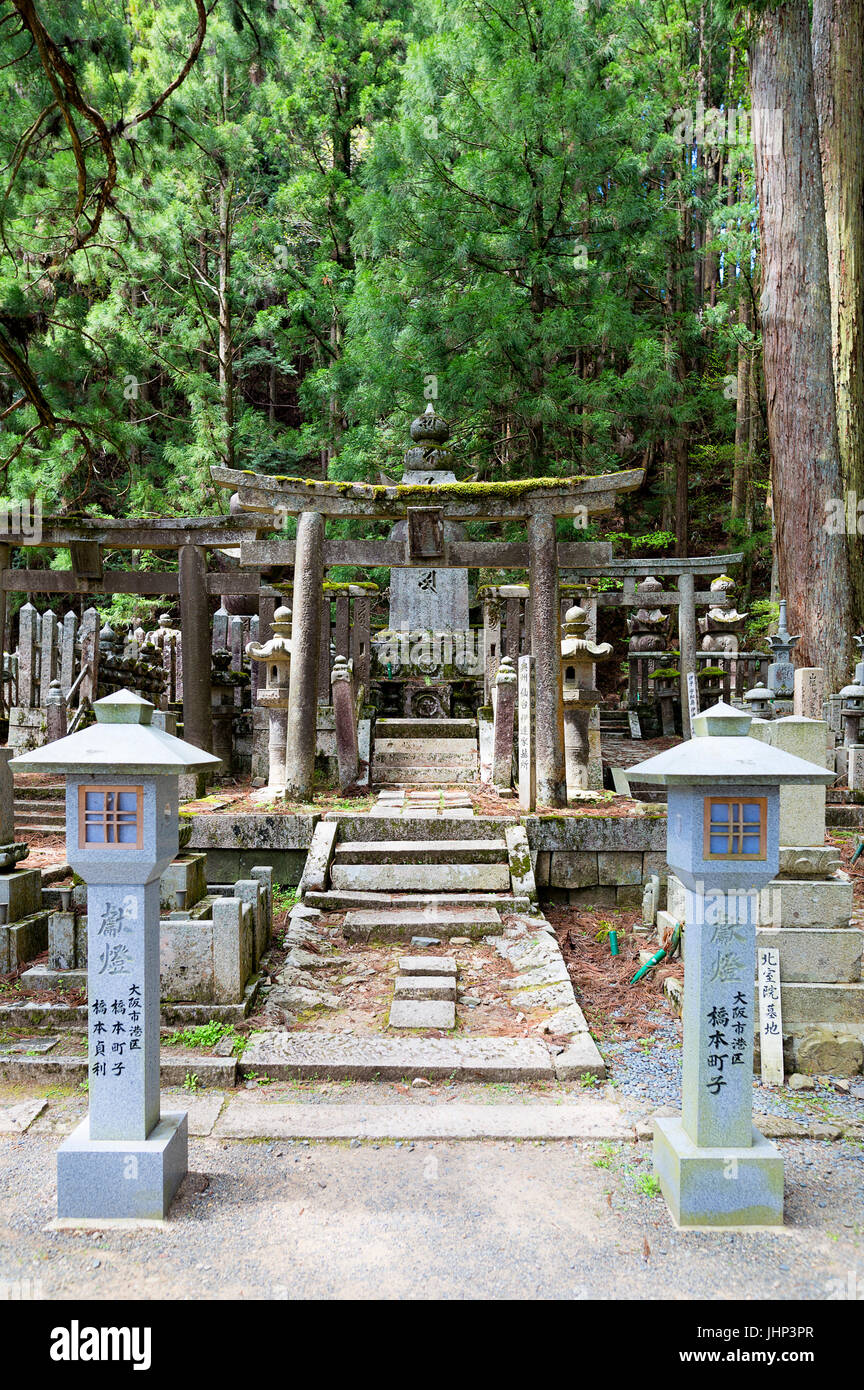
x=110 y=816
x=735 y=827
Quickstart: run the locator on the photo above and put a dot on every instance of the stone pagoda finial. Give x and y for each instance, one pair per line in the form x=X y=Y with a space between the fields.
x=430 y=428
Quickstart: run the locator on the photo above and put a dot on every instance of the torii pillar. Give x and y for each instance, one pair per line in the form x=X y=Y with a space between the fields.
x=545 y=619
x=307 y=600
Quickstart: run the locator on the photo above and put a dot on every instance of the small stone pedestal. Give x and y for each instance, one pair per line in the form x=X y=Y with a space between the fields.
x=716 y=1187
x=114 y=1179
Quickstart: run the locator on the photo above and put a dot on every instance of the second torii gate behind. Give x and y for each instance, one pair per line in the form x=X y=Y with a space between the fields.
x=539 y=502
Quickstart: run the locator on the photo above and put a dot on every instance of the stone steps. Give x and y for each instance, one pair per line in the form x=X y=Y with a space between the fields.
x=421 y=776
x=422 y=877
x=401 y=924
x=343 y=1057
x=343 y=900
x=425 y=729
x=442 y=827
x=421 y=852
x=450 y=752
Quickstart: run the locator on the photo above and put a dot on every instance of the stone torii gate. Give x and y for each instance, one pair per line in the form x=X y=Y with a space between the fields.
x=537 y=502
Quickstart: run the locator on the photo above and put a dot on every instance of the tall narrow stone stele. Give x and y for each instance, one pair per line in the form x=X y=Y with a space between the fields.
x=125 y=1160
x=723 y=837
x=426 y=599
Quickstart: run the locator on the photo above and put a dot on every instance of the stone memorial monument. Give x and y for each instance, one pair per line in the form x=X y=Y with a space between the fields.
x=125 y=1160
x=723 y=843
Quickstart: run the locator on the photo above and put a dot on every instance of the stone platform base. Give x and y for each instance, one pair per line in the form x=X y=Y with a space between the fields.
x=718 y=1187
x=122 y=1178
x=23 y=940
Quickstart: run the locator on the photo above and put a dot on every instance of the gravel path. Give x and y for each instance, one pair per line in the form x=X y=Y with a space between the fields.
x=650 y=1071
x=443 y=1220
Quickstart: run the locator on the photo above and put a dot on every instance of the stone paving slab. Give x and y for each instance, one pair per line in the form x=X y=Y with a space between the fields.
x=345 y=1057
x=421 y=728
x=14 y=1119
x=347 y=899
x=401 y=925
x=396 y=775
x=424 y=987
x=421 y=852
x=427 y=965
x=429 y=878
x=211 y=1071
x=587 y=1119
x=580 y=1058
x=423 y=1013
x=411 y=826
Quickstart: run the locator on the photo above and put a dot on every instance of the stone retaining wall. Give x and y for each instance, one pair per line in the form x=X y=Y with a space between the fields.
x=597 y=861
x=236 y=844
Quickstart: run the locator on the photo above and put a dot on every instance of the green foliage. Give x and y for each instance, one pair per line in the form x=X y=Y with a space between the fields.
x=343 y=211
x=205 y=1035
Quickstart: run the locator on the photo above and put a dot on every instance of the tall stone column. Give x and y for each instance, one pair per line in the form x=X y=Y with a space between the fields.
x=5 y=551
x=687 y=640
x=195 y=630
x=502 y=736
x=308 y=596
x=543 y=579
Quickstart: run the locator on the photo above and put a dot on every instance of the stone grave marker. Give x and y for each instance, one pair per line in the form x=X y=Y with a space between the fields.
x=770 y=1018
x=527 y=725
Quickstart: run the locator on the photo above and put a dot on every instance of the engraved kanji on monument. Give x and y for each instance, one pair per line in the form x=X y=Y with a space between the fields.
x=527 y=736
x=125 y=1160
x=723 y=843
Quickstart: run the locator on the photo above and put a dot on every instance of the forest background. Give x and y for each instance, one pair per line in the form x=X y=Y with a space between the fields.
x=596 y=234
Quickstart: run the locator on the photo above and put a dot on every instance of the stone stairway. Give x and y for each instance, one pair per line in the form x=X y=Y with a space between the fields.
x=40 y=808
x=420 y=752
x=447 y=876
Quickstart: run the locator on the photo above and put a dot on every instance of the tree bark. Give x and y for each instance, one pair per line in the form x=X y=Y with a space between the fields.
x=813 y=560
x=837 y=35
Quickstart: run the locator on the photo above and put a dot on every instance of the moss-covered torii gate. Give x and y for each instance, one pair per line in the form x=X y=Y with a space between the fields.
x=538 y=502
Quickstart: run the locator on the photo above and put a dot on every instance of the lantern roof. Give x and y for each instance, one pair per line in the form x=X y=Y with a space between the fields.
x=723 y=752
x=122 y=741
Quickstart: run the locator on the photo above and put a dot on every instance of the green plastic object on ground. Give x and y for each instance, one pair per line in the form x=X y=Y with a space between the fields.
x=659 y=955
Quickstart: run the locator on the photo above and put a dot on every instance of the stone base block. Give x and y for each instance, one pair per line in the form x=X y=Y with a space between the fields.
x=67 y=941
x=802 y=902
x=21 y=893
x=809 y=954
x=186 y=874
x=23 y=941
x=718 y=1187
x=122 y=1178
x=577 y=869
x=423 y=1013
x=812 y=1005
x=619 y=867
x=45 y=977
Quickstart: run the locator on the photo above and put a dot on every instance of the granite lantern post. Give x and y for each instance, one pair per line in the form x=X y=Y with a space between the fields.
x=275 y=693
x=125 y=1160
x=578 y=658
x=723 y=836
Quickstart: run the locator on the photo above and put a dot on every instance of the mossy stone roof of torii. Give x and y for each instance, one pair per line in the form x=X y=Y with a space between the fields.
x=472 y=501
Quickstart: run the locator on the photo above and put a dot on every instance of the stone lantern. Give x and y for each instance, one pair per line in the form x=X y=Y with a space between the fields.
x=578 y=656
x=781 y=672
x=723 y=843
x=760 y=702
x=852 y=711
x=274 y=694
x=124 y=1160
